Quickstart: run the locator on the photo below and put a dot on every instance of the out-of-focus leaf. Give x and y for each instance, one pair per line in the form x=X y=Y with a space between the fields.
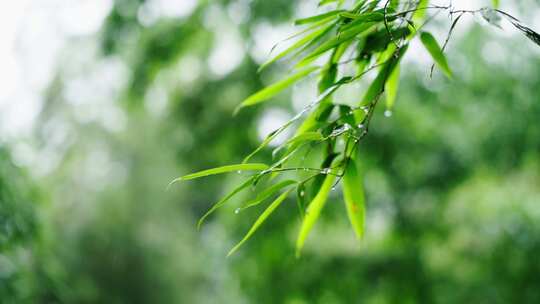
x=392 y=85
x=420 y=13
x=495 y=3
x=317 y=17
x=225 y=199
x=275 y=88
x=436 y=53
x=224 y=169
x=532 y=35
x=267 y=193
x=266 y=213
x=313 y=211
x=353 y=194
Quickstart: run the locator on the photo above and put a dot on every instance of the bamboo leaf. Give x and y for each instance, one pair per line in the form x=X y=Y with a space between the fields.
x=275 y=88
x=357 y=31
x=313 y=211
x=267 y=193
x=353 y=194
x=392 y=86
x=317 y=18
x=266 y=213
x=436 y=52
x=219 y=170
x=495 y=3
x=306 y=39
x=225 y=199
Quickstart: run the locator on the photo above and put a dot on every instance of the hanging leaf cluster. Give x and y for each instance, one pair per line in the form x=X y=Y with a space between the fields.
x=368 y=37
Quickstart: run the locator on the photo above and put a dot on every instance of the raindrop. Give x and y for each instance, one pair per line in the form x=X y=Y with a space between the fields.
x=237 y=210
x=361 y=126
x=365 y=109
x=326 y=170
x=302 y=193
x=239 y=172
x=333 y=188
x=387 y=113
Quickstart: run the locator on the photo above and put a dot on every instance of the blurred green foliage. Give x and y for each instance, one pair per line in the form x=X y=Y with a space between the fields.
x=452 y=184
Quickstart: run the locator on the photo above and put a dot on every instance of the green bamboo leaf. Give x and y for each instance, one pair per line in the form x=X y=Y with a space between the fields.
x=267 y=193
x=436 y=52
x=317 y=17
x=225 y=199
x=392 y=85
x=344 y=36
x=495 y=3
x=275 y=88
x=219 y=170
x=266 y=213
x=305 y=40
x=313 y=211
x=419 y=15
x=353 y=194
x=378 y=84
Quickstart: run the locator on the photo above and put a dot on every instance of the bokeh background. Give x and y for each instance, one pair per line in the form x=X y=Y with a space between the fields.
x=103 y=102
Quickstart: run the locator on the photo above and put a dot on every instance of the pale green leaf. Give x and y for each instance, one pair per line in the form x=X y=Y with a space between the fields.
x=220 y=170
x=392 y=85
x=344 y=36
x=353 y=194
x=313 y=211
x=266 y=213
x=225 y=199
x=317 y=17
x=267 y=193
x=275 y=88
x=436 y=52
x=301 y=42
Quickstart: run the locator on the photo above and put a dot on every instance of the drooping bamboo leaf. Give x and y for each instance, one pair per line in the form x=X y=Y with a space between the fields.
x=266 y=213
x=225 y=199
x=267 y=193
x=436 y=52
x=313 y=211
x=392 y=85
x=220 y=170
x=353 y=194
x=275 y=88
x=317 y=17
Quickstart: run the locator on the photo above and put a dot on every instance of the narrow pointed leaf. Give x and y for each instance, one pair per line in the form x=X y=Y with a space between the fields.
x=313 y=211
x=317 y=17
x=225 y=199
x=353 y=194
x=355 y=32
x=301 y=42
x=436 y=52
x=267 y=193
x=392 y=85
x=224 y=169
x=266 y=213
x=275 y=88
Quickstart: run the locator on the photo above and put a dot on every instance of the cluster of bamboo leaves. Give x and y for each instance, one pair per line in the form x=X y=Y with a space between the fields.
x=370 y=36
